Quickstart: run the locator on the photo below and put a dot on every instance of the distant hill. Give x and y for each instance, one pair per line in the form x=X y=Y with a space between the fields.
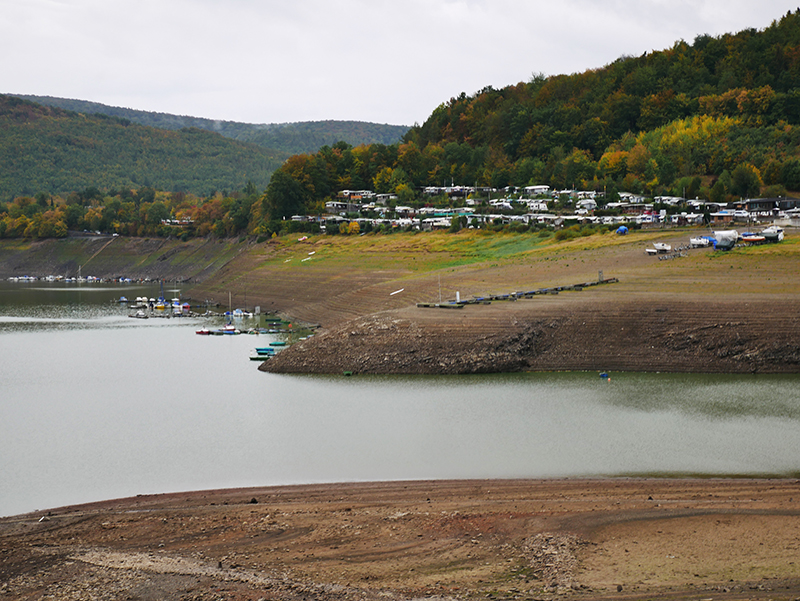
x=52 y=150
x=292 y=138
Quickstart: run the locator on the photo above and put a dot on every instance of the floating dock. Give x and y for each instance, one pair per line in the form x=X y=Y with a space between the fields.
x=513 y=296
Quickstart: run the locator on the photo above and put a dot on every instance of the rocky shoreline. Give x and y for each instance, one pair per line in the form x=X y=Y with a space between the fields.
x=669 y=335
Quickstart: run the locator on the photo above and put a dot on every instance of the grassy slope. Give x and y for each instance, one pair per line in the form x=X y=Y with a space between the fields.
x=351 y=276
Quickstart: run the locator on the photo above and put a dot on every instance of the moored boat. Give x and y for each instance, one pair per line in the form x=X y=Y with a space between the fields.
x=700 y=242
x=751 y=238
x=726 y=239
x=773 y=233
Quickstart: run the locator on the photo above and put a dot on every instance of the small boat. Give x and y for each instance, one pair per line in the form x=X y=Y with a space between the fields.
x=662 y=247
x=267 y=350
x=651 y=251
x=278 y=343
x=726 y=239
x=259 y=357
x=700 y=242
x=140 y=314
x=203 y=332
x=773 y=233
x=751 y=238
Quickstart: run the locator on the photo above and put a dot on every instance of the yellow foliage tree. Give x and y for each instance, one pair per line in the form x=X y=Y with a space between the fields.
x=614 y=163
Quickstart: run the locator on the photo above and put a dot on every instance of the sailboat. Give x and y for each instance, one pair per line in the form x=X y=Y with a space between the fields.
x=229 y=328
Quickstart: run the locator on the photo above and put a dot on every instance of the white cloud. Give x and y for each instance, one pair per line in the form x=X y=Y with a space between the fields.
x=380 y=60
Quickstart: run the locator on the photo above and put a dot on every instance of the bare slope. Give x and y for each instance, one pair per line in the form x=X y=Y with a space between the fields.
x=703 y=311
x=109 y=257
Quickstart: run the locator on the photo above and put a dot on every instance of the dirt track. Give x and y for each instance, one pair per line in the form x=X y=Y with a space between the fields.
x=608 y=539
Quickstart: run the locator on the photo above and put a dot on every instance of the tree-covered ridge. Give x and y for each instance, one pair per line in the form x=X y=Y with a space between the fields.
x=310 y=136
x=291 y=138
x=752 y=74
x=45 y=149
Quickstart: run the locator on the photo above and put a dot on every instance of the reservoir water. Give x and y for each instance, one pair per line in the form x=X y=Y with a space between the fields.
x=96 y=405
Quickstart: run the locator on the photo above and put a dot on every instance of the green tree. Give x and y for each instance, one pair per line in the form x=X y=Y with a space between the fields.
x=746 y=180
x=284 y=197
x=717 y=193
x=156 y=212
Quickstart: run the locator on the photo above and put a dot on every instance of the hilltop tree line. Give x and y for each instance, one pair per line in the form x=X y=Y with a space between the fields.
x=289 y=138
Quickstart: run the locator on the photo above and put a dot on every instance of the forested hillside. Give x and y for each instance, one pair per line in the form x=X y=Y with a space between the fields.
x=715 y=118
x=718 y=118
x=292 y=138
x=50 y=150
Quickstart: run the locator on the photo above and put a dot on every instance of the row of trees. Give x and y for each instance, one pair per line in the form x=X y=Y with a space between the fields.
x=143 y=212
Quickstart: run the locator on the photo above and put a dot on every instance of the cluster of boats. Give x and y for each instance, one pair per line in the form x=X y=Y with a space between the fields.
x=144 y=307
x=61 y=278
x=263 y=353
x=725 y=240
x=231 y=329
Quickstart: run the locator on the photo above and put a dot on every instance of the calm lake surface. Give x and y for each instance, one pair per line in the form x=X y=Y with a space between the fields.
x=96 y=405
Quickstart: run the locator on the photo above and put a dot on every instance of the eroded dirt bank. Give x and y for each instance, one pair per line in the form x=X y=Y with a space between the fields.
x=584 y=331
x=594 y=539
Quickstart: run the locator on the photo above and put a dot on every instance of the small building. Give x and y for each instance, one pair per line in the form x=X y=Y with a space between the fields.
x=337 y=206
x=537 y=190
x=722 y=217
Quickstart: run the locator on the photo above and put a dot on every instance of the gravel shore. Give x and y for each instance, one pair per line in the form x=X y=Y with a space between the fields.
x=586 y=539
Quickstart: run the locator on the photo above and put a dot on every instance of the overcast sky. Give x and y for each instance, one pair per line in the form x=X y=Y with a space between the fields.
x=385 y=61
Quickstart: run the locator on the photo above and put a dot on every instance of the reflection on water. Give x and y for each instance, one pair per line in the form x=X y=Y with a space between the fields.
x=97 y=405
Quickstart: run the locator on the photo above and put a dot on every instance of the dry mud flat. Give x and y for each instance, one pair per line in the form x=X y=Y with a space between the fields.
x=587 y=539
